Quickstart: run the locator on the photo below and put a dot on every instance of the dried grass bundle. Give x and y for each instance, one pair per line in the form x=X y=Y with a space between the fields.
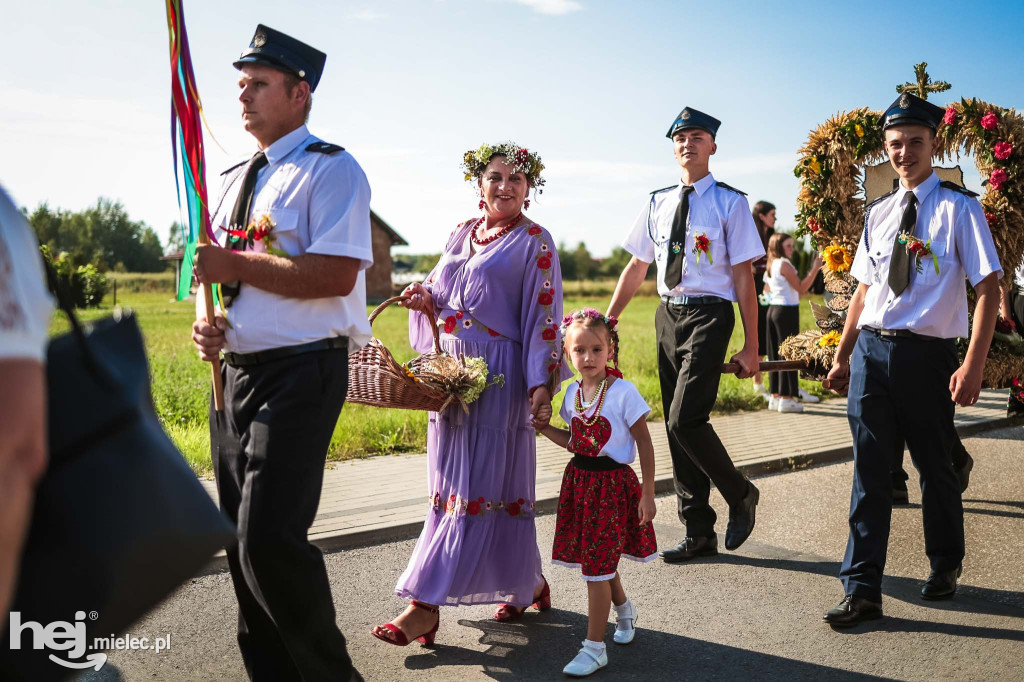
x=804 y=346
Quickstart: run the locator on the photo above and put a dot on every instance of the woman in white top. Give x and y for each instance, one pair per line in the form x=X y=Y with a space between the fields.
x=783 y=319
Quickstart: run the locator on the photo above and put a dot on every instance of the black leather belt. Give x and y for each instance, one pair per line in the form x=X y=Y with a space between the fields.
x=270 y=355
x=693 y=300
x=599 y=463
x=901 y=334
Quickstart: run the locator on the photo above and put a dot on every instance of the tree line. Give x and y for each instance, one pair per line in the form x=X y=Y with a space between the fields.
x=577 y=263
x=103 y=236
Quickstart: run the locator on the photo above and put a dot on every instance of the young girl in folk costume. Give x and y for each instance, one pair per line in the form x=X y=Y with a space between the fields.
x=603 y=512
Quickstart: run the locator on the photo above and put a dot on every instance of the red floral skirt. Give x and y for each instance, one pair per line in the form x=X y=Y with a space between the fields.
x=599 y=521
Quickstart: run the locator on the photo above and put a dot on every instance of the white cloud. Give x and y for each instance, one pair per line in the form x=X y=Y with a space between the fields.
x=369 y=15
x=553 y=7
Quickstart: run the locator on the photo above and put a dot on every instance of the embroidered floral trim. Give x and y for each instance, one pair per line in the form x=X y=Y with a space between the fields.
x=452 y=324
x=458 y=506
x=549 y=327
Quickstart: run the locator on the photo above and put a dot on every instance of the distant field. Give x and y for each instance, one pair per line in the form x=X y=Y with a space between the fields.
x=181 y=381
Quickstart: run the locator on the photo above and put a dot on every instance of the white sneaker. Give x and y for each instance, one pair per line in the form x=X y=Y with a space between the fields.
x=789 y=405
x=762 y=391
x=625 y=623
x=587 y=662
x=773 y=403
x=807 y=397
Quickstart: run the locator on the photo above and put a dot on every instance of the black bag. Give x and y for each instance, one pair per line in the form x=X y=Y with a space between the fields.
x=120 y=520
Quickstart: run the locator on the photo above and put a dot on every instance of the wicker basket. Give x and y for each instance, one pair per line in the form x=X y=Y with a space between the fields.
x=376 y=378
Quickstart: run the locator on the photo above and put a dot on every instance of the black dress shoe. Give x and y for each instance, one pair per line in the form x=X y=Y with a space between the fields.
x=941 y=584
x=690 y=548
x=900 y=496
x=963 y=473
x=741 y=519
x=851 y=611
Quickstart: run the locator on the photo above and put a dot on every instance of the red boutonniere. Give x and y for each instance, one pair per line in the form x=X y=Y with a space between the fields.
x=701 y=244
x=259 y=230
x=919 y=249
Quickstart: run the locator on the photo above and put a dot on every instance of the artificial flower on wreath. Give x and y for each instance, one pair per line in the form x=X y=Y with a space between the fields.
x=918 y=249
x=830 y=340
x=836 y=258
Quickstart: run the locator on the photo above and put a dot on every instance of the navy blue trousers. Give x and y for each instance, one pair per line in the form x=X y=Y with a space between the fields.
x=899 y=392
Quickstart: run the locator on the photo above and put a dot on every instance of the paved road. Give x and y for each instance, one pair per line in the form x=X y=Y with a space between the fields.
x=746 y=614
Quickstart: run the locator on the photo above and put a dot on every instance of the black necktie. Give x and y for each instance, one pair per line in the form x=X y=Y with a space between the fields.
x=240 y=220
x=899 y=263
x=676 y=245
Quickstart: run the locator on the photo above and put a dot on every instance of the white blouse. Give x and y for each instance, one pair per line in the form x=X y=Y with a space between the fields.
x=623 y=407
x=25 y=303
x=782 y=291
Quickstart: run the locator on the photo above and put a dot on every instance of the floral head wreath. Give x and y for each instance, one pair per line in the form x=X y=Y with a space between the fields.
x=584 y=314
x=521 y=159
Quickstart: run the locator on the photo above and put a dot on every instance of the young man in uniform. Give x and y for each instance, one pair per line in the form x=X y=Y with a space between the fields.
x=296 y=301
x=703 y=237
x=920 y=241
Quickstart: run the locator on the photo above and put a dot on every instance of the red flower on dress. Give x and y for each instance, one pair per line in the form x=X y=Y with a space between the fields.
x=480 y=500
x=997 y=178
x=548 y=334
x=543 y=262
x=534 y=231
x=521 y=501
x=989 y=121
x=513 y=509
x=1002 y=150
x=473 y=508
x=449 y=324
x=545 y=298
x=991 y=219
x=492 y=332
x=552 y=367
x=458 y=315
x=950 y=116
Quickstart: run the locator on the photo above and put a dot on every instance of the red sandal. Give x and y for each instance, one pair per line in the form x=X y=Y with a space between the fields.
x=507 y=612
x=399 y=637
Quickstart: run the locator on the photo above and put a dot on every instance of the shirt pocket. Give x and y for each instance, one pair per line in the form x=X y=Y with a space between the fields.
x=716 y=245
x=926 y=275
x=284 y=233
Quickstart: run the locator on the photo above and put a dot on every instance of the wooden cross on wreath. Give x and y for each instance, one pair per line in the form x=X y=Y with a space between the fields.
x=924 y=84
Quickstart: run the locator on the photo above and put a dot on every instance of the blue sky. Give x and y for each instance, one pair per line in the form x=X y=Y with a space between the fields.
x=410 y=85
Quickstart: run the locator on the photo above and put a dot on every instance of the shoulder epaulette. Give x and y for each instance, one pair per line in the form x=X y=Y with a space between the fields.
x=949 y=184
x=324 y=148
x=240 y=163
x=884 y=196
x=658 y=191
x=730 y=188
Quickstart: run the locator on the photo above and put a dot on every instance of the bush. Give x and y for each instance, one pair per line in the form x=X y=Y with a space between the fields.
x=81 y=287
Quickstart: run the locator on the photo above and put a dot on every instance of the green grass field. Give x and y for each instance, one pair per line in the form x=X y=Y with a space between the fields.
x=181 y=382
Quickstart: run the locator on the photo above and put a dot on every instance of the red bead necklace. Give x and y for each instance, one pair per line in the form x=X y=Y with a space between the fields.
x=592 y=419
x=497 y=235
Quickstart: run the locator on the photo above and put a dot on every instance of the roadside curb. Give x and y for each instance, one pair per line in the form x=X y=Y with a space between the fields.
x=755 y=469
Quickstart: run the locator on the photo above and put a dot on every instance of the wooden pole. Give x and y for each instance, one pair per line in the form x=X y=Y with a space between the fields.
x=210 y=312
x=767 y=366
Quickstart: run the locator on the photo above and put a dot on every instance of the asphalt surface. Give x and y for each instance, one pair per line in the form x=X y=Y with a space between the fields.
x=753 y=613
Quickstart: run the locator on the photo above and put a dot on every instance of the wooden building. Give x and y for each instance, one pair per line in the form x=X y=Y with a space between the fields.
x=378 y=277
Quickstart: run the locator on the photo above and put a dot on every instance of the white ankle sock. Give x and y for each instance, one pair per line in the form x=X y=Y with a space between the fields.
x=596 y=647
x=624 y=609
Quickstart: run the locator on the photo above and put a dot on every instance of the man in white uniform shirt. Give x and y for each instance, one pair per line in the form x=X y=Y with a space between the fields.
x=901 y=329
x=297 y=306
x=702 y=236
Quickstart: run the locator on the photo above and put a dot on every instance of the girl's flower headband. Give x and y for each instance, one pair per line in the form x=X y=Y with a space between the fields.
x=585 y=313
x=522 y=161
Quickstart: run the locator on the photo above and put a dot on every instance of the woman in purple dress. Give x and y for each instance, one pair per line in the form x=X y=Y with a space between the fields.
x=497 y=294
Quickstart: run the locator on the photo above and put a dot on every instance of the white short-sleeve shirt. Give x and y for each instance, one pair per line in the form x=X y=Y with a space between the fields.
x=933 y=304
x=25 y=303
x=720 y=213
x=623 y=407
x=320 y=203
